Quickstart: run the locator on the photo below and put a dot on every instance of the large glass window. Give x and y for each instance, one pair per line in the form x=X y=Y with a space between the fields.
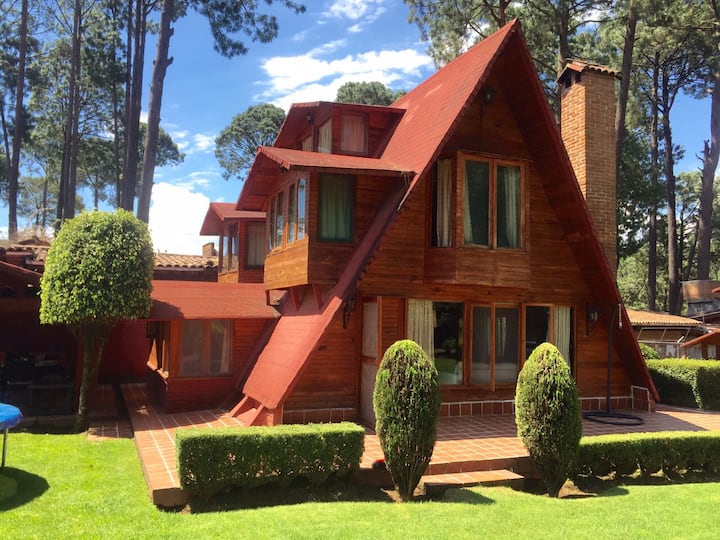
x=492 y=204
x=336 y=207
x=279 y=219
x=495 y=333
x=205 y=347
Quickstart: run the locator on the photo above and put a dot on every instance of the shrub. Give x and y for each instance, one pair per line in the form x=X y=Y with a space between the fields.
x=648 y=352
x=210 y=460
x=407 y=405
x=547 y=414
x=650 y=452
x=687 y=383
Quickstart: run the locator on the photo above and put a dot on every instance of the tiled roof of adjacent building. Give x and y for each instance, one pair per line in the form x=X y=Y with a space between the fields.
x=653 y=318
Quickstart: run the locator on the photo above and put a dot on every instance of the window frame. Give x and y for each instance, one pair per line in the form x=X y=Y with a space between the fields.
x=204 y=358
x=460 y=185
x=467 y=334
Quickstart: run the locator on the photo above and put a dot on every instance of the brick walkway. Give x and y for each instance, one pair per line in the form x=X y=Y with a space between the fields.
x=464 y=444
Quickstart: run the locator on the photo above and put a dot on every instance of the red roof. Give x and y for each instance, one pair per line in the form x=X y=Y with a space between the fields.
x=20 y=274
x=209 y=300
x=220 y=213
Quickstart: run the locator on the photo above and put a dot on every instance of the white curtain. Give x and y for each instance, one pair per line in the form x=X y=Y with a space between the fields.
x=467 y=218
x=325 y=138
x=509 y=205
x=307 y=144
x=444 y=194
x=421 y=325
x=563 y=330
x=353 y=134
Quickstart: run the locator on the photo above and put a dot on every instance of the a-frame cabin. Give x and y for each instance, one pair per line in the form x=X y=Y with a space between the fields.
x=452 y=217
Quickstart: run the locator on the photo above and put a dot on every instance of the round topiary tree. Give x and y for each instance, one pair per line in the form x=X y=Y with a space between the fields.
x=98 y=272
x=547 y=414
x=406 y=400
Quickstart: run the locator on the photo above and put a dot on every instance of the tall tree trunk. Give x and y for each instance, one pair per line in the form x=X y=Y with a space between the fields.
x=654 y=180
x=14 y=172
x=66 y=196
x=674 y=297
x=710 y=156
x=162 y=61
x=626 y=69
x=134 y=104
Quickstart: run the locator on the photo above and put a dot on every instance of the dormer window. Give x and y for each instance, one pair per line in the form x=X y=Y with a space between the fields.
x=325 y=138
x=307 y=144
x=354 y=134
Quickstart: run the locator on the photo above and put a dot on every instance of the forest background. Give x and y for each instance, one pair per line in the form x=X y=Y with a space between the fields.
x=82 y=83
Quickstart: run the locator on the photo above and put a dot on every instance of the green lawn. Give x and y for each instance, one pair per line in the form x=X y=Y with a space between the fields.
x=72 y=488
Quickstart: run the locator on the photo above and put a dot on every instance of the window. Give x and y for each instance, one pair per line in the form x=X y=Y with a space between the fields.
x=354 y=134
x=292 y=215
x=370 y=329
x=492 y=204
x=255 y=256
x=301 y=194
x=553 y=324
x=205 y=347
x=279 y=220
x=307 y=144
x=495 y=351
x=494 y=336
x=271 y=223
x=159 y=331
x=442 y=205
x=325 y=138
x=336 y=207
x=438 y=328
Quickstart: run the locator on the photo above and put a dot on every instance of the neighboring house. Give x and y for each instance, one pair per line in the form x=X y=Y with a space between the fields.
x=672 y=336
x=452 y=217
x=39 y=363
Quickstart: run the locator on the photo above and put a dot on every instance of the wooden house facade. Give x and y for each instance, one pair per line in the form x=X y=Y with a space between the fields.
x=452 y=217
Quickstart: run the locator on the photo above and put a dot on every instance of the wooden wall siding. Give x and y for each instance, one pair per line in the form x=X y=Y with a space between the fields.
x=392 y=322
x=489 y=129
x=287 y=267
x=332 y=377
x=175 y=393
x=310 y=261
x=548 y=271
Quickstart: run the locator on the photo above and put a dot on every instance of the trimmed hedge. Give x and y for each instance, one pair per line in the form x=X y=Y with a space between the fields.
x=650 y=452
x=687 y=383
x=211 y=460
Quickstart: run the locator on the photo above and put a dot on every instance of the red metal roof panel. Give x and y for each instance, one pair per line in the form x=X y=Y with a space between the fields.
x=209 y=300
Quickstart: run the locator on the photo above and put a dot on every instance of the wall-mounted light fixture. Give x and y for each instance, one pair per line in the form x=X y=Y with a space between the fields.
x=488 y=95
x=592 y=316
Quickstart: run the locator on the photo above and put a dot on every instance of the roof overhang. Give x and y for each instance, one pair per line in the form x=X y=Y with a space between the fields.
x=209 y=300
x=220 y=214
x=271 y=161
x=711 y=338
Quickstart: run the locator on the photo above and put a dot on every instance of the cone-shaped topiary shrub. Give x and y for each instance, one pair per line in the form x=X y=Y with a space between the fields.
x=547 y=414
x=407 y=405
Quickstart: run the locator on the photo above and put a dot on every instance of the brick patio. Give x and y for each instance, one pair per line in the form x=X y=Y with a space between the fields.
x=464 y=445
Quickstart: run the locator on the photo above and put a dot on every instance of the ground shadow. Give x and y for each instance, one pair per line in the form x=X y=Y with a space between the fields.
x=298 y=492
x=29 y=487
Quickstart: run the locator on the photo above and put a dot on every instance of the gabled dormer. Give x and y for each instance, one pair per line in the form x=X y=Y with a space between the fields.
x=338 y=128
x=241 y=242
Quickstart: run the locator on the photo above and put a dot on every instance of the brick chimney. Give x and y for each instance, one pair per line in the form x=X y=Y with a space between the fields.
x=208 y=250
x=588 y=131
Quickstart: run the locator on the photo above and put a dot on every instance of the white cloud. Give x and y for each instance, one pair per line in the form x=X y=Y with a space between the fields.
x=176 y=215
x=310 y=77
x=204 y=142
x=355 y=9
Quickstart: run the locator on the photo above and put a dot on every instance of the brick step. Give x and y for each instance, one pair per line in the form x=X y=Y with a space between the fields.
x=437 y=484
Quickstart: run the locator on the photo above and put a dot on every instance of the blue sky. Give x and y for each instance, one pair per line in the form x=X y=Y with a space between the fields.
x=334 y=42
